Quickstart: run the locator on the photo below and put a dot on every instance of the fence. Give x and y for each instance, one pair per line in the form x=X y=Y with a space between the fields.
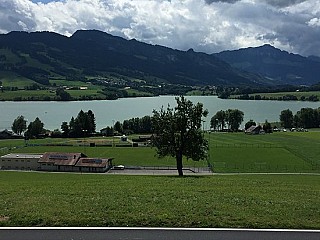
x=245 y=145
x=169 y=168
x=224 y=167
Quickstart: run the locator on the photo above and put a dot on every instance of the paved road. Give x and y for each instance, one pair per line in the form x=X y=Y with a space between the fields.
x=153 y=234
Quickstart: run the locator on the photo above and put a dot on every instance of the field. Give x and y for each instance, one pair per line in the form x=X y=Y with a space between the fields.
x=224 y=200
x=290 y=152
x=12 y=80
x=297 y=94
x=40 y=95
x=277 y=152
x=279 y=95
x=246 y=201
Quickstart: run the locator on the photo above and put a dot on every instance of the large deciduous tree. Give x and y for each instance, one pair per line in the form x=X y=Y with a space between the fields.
x=232 y=117
x=19 y=125
x=35 y=128
x=81 y=126
x=286 y=118
x=177 y=132
x=220 y=118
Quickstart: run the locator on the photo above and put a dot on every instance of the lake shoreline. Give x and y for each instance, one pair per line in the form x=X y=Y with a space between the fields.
x=53 y=113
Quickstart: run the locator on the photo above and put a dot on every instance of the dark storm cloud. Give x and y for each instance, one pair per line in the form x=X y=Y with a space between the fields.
x=205 y=25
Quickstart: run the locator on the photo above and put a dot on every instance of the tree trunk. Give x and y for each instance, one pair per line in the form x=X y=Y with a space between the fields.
x=179 y=163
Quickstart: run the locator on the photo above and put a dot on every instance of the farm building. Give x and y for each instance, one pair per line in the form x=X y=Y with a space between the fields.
x=6 y=134
x=93 y=164
x=55 y=161
x=73 y=162
x=254 y=130
x=20 y=162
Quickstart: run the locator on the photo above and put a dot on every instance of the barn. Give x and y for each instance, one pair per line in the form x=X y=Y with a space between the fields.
x=14 y=161
x=73 y=162
x=55 y=162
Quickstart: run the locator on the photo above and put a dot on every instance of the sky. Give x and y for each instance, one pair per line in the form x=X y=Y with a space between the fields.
x=205 y=25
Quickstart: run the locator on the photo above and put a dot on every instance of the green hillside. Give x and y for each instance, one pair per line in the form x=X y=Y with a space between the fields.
x=43 y=59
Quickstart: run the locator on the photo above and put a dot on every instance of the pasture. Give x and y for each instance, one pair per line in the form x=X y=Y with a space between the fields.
x=276 y=152
x=285 y=152
x=236 y=201
x=231 y=201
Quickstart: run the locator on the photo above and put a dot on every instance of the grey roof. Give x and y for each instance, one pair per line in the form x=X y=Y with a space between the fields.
x=22 y=156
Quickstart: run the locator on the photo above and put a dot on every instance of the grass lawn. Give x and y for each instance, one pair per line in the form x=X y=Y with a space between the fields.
x=9 y=79
x=240 y=201
x=128 y=156
x=277 y=152
x=229 y=152
x=297 y=94
x=42 y=94
x=136 y=93
x=25 y=94
x=94 y=93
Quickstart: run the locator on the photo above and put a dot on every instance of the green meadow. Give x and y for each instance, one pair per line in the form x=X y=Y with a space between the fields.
x=285 y=152
x=281 y=94
x=301 y=96
x=276 y=152
x=223 y=200
x=237 y=201
x=40 y=95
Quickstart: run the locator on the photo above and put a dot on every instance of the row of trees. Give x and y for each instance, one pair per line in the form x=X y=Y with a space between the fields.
x=134 y=125
x=304 y=118
x=83 y=125
x=130 y=126
x=286 y=97
x=232 y=118
x=35 y=129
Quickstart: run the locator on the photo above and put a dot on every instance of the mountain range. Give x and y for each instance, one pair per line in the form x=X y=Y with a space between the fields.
x=278 y=66
x=90 y=55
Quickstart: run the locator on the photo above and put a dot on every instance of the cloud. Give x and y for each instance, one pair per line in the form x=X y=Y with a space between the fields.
x=276 y=3
x=204 y=25
x=225 y=1
x=283 y=3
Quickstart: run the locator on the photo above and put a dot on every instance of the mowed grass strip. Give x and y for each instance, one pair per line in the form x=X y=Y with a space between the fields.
x=240 y=201
x=276 y=152
x=258 y=160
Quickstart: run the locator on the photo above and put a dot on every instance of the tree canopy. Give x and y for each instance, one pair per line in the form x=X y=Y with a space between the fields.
x=177 y=132
x=232 y=117
x=35 y=128
x=19 y=125
x=304 y=118
x=83 y=125
x=286 y=118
